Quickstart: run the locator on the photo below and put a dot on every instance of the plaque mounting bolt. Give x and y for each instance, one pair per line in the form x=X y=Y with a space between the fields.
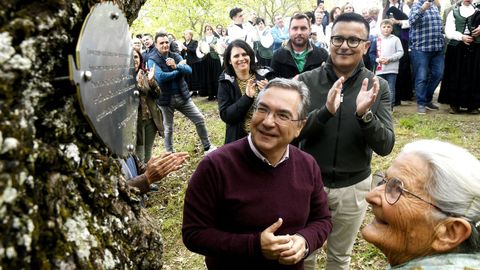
x=87 y=75
x=130 y=147
x=114 y=15
x=136 y=93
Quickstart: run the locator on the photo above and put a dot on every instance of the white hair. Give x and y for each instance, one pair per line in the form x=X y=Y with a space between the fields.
x=455 y=180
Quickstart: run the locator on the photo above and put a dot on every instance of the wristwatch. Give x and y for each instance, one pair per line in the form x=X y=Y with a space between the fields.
x=366 y=118
x=305 y=253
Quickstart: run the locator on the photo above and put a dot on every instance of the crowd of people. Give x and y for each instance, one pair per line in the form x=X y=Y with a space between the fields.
x=322 y=83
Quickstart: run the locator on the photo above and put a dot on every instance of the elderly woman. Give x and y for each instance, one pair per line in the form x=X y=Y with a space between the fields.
x=427 y=208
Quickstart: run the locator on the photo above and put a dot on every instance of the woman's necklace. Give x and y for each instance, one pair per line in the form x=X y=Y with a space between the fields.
x=250 y=75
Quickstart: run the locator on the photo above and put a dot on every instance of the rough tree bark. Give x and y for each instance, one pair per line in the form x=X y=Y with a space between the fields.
x=63 y=203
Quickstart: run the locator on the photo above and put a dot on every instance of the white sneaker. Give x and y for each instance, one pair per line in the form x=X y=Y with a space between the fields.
x=211 y=149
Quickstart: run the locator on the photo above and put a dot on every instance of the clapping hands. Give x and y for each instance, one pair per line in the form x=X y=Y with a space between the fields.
x=161 y=166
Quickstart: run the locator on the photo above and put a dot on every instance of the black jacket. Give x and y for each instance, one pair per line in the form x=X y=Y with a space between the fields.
x=341 y=143
x=190 y=54
x=233 y=106
x=284 y=66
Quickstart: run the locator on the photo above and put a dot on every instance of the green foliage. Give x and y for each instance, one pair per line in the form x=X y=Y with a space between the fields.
x=177 y=16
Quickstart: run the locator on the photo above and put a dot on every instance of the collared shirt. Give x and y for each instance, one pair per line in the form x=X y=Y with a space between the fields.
x=426 y=28
x=257 y=153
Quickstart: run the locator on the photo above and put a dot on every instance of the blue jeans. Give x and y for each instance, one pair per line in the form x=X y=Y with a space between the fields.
x=427 y=73
x=391 y=79
x=190 y=110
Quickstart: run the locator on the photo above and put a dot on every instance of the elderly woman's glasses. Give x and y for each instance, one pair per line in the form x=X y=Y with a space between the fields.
x=352 y=42
x=280 y=118
x=394 y=189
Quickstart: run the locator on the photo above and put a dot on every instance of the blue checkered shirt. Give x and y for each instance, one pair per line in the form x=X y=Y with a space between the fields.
x=426 y=28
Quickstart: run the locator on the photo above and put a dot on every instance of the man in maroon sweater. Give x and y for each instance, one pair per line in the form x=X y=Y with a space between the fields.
x=259 y=203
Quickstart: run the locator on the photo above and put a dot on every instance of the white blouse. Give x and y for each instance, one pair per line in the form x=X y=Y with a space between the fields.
x=450 y=29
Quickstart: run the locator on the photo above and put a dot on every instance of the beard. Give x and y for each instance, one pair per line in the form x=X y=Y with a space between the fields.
x=300 y=41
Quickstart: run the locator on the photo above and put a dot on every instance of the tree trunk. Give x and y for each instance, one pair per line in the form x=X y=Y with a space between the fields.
x=64 y=202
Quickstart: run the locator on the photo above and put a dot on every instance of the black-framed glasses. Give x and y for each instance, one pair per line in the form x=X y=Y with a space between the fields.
x=394 y=189
x=352 y=42
x=280 y=118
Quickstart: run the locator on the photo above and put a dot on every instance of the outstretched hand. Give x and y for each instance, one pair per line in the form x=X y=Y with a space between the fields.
x=159 y=167
x=366 y=98
x=334 y=96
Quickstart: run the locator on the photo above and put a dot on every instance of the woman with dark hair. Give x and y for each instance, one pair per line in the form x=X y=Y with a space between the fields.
x=311 y=16
x=239 y=85
x=149 y=115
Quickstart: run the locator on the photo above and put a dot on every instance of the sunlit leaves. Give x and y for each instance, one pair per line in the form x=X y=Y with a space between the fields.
x=179 y=15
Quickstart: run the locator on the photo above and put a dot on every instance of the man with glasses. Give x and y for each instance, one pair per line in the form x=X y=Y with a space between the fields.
x=349 y=118
x=258 y=202
x=299 y=54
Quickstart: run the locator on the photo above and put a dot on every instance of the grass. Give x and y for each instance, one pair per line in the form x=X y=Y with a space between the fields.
x=165 y=206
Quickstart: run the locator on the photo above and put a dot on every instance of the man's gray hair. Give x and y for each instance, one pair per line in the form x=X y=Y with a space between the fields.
x=294 y=85
x=454 y=183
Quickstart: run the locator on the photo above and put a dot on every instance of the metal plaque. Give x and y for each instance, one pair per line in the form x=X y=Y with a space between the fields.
x=105 y=77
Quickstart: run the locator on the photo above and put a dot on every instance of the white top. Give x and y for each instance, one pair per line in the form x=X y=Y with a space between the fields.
x=257 y=153
x=391 y=48
x=235 y=32
x=450 y=29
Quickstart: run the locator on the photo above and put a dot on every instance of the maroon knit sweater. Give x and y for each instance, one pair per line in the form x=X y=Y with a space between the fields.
x=233 y=196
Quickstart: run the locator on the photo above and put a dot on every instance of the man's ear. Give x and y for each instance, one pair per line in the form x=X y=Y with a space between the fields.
x=367 y=46
x=450 y=234
x=301 y=124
